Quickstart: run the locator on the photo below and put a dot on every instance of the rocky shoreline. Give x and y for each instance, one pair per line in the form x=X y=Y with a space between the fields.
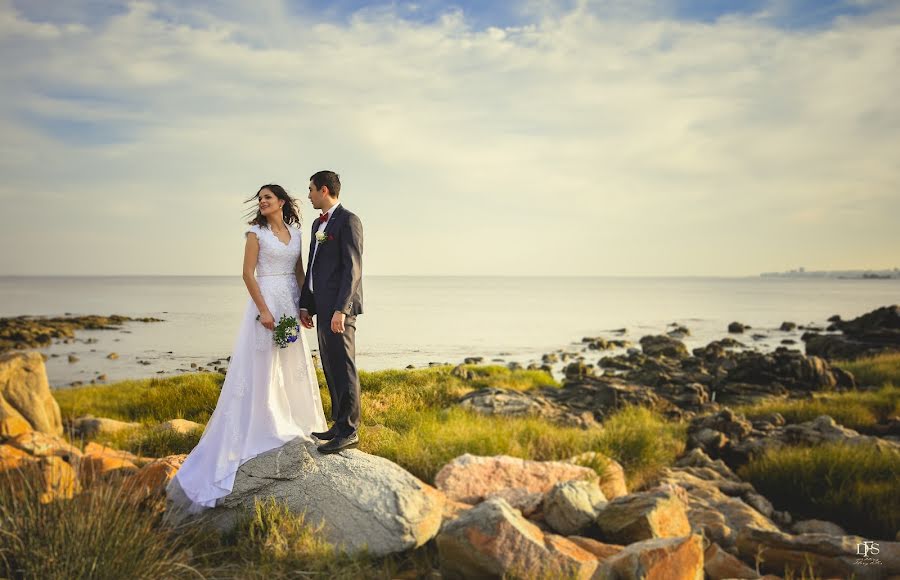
x=24 y=332
x=495 y=516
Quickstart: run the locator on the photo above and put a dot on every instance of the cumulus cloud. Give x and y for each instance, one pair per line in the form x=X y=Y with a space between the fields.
x=592 y=140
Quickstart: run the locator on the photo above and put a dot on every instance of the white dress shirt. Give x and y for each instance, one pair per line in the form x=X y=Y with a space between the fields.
x=322 y=226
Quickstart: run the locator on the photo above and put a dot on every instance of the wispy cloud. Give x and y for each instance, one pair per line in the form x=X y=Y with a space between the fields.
x=590 y=138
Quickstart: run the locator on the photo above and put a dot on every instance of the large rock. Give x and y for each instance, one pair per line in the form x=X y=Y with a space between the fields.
x=512 y=403
x=830 y=556
x=643 y=516
x=24 y=386
x=612 y=474
x=50 y=477
x=90 y=426
x=720 y=565
x=872 y=333
x=493 y=540
x=180 y=426
x=470 y=478
x=153 y=478
x=13 y=457
x=43 y=445
x=711 y=511
x=570 y=507
x=658 y=559
x=12 y=422
x=659 y=345
x=361 y=500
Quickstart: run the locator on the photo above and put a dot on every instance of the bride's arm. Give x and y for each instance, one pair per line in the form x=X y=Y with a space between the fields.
x=301 y=276
x=251 y=255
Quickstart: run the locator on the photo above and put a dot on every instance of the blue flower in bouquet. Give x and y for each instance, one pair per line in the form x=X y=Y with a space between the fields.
x=286 y=331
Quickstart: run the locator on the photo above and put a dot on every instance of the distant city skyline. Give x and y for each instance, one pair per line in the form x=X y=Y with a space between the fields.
x=537 y=137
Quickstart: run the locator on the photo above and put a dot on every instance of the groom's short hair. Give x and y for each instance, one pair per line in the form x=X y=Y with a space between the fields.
x=327 y=178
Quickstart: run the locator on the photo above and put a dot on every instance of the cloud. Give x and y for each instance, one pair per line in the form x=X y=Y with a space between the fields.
x=589 y=141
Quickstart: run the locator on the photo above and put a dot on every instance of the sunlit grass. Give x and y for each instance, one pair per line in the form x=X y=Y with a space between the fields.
x=874 y=371
x=854 y=486
x=859 y=410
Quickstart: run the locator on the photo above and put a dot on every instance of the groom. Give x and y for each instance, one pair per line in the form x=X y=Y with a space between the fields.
x=333 y=291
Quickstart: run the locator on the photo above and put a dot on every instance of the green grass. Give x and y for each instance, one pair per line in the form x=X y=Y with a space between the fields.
x=148 y=442
x=859 y=410
x=189 y=396
x=643 y=442
x=408 y=417
x=854 y=486
x=874 y=371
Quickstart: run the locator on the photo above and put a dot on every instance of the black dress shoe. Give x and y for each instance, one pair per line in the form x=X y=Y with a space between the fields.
x=339 y=443
x=325 y=435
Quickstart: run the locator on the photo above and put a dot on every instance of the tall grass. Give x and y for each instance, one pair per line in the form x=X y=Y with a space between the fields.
x=854 y=486
x=189 y=396
x=859 y=410
x=643 y=442
x=408 y=416
x=874 y=371
x=103 y=532
x=424 y=441
x=150 y=442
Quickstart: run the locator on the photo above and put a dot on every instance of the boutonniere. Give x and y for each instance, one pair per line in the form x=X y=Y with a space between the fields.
x=322 y=237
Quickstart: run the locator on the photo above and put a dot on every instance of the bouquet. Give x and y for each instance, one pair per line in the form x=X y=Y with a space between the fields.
x=286 y=331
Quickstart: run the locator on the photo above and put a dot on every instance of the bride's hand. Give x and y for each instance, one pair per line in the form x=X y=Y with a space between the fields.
x=267 y=320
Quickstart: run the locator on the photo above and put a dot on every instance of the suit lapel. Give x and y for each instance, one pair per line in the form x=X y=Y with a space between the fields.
x=335 y=216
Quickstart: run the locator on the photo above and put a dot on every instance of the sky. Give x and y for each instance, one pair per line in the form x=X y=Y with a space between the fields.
x=531 y=137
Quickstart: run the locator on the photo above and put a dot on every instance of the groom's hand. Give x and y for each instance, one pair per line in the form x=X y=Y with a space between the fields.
x=337 y=322
x=305 y=319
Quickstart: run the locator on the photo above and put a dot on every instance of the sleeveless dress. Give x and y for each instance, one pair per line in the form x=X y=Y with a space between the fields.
x=270 y=395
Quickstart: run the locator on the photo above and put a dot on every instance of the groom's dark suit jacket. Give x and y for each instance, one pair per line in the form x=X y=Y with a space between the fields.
x=336 y=272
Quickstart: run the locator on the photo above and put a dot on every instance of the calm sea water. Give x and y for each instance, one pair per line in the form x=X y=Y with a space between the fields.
x=418 y=320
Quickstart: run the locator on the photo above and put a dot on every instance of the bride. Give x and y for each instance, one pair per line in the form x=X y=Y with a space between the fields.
x=270 y=394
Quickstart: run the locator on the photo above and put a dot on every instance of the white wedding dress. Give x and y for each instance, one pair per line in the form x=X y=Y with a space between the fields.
x=270 y=395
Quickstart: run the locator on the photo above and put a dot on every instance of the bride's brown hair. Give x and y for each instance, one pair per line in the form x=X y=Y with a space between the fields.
x=288 y=210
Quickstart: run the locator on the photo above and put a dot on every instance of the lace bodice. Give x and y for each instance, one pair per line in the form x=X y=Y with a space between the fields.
x=276 y=257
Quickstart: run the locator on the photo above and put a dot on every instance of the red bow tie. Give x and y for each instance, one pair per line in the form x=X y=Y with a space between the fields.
x=323 y=217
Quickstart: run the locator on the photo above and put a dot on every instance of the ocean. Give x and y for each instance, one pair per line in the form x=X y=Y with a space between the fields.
x=421 y=320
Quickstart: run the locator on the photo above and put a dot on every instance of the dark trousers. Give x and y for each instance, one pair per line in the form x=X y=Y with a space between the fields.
x=338 y=355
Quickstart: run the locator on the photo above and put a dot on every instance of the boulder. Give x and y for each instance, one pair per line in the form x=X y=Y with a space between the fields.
x=642 y=516
x=362 y=501
x=43 y=445
x=612 y=474
x=659 y=345
x=180 y=426
x=513 y=403
x=600 y=550
x=720 y=565
x=24 y=386
x=527 y=502
x=92 y=467
x=678 y=558
x=711 y=511
x=830 y=556
x=572 y=506
x=153 y=478
x=818 y=527
x=90 y=426
x=872 y=333
x=493 y=540
x=470 y=478
x=12 y=422
x=13 y=457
